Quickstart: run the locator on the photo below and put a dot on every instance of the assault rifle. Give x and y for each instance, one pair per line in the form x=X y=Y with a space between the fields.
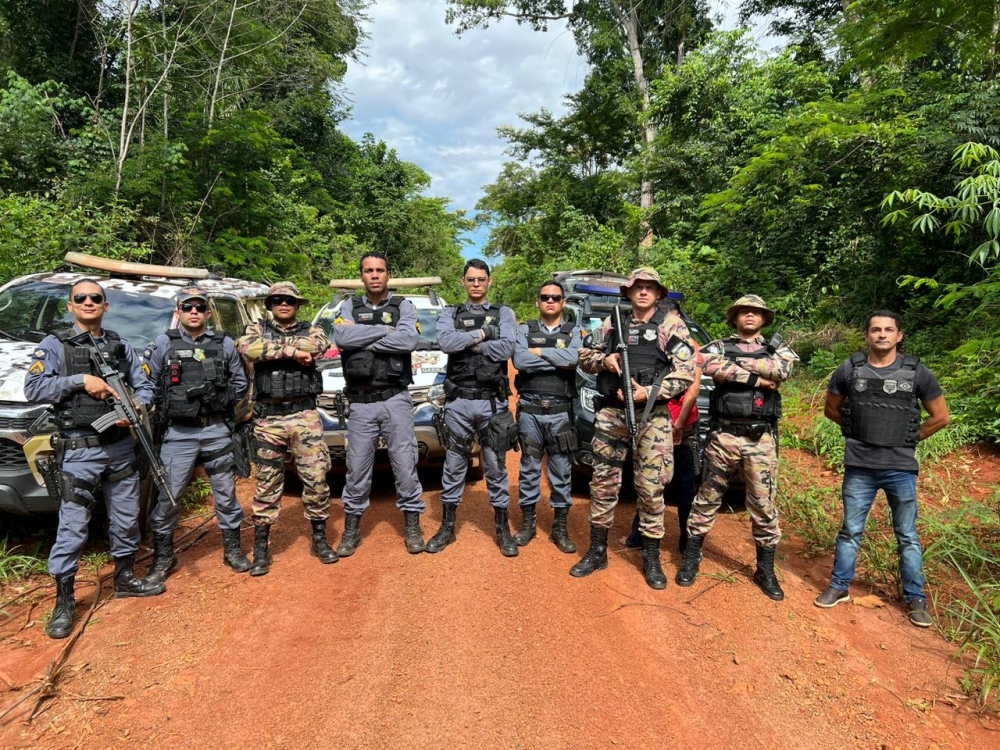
x=621 y=337
x=123 y=408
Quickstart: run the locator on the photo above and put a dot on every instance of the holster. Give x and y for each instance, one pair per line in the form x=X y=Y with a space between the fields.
x=243 y=449
x=441 y=428
x=566 y=442
x=501 y=433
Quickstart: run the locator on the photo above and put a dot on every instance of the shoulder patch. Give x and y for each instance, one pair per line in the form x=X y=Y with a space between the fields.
x=37 y=367
x=40 y=353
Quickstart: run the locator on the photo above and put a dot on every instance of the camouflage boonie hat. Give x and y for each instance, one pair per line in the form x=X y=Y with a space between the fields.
x=189 y=293
x=285 y=289
x=644 y=273
x=749 y=300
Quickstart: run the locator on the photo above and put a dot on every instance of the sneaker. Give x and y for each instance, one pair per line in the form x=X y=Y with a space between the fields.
x=916 y=610
x=832 y=597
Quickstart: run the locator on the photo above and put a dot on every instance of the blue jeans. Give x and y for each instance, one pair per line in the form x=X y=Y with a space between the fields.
x=860 y=487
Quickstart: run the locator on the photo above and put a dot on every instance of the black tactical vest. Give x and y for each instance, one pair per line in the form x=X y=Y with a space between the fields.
x=80 y=409
x=645 y=357
x=285 y=379
x=375 y=370
x=882 y=408
x=739 y=401
x=195 y=381
x=467 y=369
x=559 y=383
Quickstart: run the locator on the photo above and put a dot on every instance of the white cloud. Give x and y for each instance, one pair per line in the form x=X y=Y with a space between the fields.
x=438 y=98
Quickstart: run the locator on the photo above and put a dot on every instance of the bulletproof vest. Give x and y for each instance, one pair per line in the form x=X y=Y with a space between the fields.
x=285 y=379
x=731 y=400
x=645 y=357
x=468 y=369
x=195 y=380
x=80 y=409
x=559 y=383
x=373 y=370
x=882 y=408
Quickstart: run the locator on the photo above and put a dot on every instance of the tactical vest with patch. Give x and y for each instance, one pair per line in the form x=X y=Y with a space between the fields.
x=646 y=359
x=467 y=369
x=285 y=379
x=739 y=401
x=195 y=380
x=558 y=383
x=80 y=409
x=375 y=370
x=882 y=408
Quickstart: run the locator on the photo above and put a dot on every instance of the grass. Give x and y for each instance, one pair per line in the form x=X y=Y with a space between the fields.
x=961 y=537
x=16 y=567
x=196 y=493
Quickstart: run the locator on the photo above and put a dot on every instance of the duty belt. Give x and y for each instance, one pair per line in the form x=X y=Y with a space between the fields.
x=198 y=421
x=752 y=430
x=371 y=397
x=544 y=407
x=73 y=442
x=476 y=394
x=281 y=408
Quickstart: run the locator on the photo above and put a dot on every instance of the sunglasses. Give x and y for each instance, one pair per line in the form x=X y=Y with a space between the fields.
x=550 y=297
x=189 y=306
x=282 y=300
x=95 y=297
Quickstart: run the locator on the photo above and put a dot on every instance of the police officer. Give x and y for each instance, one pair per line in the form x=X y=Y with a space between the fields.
x=662 y=365
x=744 y=407
x=376 y=333
x=286 y=383
x=546 y=352
x=479 y=339
x=199 y=378
x=61 y=373
x=876 y=397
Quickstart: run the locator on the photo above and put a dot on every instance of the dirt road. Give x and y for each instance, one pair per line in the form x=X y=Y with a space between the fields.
x=467 y=649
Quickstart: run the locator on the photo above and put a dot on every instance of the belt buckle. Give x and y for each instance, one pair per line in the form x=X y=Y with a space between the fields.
x=545 y=403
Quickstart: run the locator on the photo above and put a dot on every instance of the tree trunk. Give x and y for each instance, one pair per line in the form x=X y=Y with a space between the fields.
x=222 y=62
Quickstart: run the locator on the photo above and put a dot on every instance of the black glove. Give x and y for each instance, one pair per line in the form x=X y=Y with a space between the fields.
x=491 y=332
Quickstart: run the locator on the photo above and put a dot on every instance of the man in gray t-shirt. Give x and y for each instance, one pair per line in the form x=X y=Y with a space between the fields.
x=876 y=398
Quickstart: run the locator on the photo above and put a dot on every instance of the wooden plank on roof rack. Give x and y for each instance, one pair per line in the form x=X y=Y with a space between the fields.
x=127 y=268
x=401 y=283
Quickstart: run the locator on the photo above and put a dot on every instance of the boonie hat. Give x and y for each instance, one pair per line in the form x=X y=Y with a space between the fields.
x=285 y=289
x=749 y=300
x=644 y=273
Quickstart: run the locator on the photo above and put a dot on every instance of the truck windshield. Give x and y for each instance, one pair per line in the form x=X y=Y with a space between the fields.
x=32 y=310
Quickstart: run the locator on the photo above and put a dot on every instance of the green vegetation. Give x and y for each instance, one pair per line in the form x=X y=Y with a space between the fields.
x=15 y=566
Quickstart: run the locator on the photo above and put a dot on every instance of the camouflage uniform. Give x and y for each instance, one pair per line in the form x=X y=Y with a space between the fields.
x=653 y=459
x=300 y=432
x=743 y=434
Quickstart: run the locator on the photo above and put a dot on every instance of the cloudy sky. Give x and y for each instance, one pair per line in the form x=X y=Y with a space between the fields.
x=438 y=98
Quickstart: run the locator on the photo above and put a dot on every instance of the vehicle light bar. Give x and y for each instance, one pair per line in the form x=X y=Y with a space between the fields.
x=401 y=283
x=126 y=268
x=615 y=291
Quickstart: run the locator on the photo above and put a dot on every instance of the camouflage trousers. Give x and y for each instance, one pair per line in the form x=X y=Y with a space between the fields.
x=724 y=454
x=301 y=434
x=652 y=461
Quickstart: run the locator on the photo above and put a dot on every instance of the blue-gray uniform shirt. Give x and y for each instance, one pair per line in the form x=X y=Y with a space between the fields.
x=551 y=359
x=156 y=353
x=377 y=338
x=45 y=385
x=452 y=340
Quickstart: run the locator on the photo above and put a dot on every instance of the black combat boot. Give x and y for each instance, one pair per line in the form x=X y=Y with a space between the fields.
x=319 y=546
x=232 y=552
x=692 y=559
x=261 y=554
x=164 y=560
x=596 y=557
x=61 y=621
x=446 y=534
x=764 y=575
x=351 y=539
x=651 y=563
x=127 y=583
x=412 y=534
x=529 y=525
x=559 y=535
x=508 y=547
